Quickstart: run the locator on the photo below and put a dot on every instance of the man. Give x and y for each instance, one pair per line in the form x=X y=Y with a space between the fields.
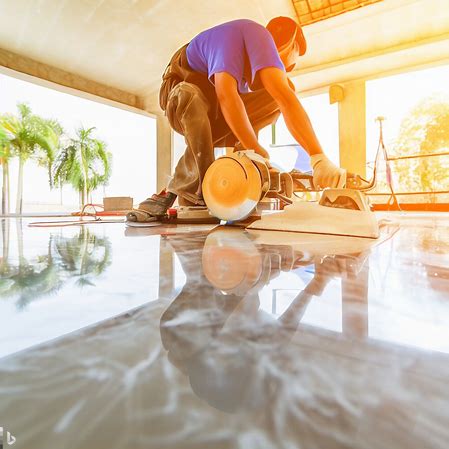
x=224 y=86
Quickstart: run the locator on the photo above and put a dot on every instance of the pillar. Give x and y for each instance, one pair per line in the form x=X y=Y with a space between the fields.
x=164 y=151
x=352 y=127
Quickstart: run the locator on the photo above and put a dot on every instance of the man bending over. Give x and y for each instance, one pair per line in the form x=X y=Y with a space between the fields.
x=224 y=86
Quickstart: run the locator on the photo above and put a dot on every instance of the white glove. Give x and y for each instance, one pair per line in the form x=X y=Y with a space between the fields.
x=325 y=173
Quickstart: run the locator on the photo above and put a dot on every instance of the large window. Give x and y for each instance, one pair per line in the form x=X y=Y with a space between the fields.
x=130 y=138
x=415 y=106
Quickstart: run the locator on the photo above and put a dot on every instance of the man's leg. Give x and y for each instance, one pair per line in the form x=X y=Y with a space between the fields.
x=187 y=111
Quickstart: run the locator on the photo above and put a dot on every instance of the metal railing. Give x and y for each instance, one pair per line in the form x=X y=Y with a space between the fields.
x=392 y=202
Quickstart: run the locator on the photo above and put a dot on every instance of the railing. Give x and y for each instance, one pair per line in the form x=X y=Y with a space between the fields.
x=392 y=203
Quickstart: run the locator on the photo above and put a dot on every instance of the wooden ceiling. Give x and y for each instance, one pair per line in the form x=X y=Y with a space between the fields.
x=310 y=11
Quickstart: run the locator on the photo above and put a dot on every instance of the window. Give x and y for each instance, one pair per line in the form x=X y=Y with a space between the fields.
x=416 y=110
x=130 y=137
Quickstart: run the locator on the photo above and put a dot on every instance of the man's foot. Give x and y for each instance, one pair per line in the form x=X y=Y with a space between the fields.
x=156 y=206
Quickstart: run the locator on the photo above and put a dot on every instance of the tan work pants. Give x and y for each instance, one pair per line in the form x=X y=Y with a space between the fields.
x=188 y=112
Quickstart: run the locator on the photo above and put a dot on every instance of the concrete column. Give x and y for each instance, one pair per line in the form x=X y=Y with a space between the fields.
x=164 y=151
x=352 y=127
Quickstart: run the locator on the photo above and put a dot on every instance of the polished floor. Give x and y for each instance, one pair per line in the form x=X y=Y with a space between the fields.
x=214 y=337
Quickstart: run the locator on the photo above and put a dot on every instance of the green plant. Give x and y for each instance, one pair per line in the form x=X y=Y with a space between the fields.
x=50 y=135
x=5 y=155
x=30 y=136
x=85 y=164
x=425 y=130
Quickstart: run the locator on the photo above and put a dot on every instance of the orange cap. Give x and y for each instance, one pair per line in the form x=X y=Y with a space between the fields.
x=284 y=31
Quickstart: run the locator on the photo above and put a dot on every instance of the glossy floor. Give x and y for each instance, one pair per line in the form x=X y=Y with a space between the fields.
x=202 y=337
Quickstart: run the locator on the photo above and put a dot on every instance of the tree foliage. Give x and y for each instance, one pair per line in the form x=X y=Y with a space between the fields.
x=424 y=130
x=82 y=162
x=30 y=136
x=85 y=164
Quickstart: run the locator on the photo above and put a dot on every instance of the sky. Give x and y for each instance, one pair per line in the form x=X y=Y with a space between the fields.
x=131 y=138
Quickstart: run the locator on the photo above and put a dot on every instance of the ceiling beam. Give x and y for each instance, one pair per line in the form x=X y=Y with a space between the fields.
x=46 y=72
x=412 y=44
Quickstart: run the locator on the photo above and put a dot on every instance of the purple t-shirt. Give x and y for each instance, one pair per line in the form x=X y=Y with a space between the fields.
x=240 y=48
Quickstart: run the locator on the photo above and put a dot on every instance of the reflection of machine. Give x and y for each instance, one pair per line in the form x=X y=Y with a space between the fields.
x=231 y=262
x=234 y=352
x=241 y=263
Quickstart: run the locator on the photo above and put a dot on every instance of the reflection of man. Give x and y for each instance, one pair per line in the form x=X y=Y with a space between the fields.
x=213 y=327
x=224 y=86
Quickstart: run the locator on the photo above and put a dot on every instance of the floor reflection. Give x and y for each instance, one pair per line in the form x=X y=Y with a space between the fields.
x=56 y=280
x=266 y=292
x=218 y=326
x=83 y=257
x=256 y=341
x=212 y=327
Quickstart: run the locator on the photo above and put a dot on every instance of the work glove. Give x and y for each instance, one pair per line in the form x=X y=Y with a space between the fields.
x=325 y=173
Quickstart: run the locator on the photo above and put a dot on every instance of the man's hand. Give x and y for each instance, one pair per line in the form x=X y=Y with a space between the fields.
x=325 y=173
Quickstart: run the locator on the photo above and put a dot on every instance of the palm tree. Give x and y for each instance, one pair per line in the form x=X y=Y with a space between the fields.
x=29 y=135
x=85 y=164
x=50 y=134
x=5 y=155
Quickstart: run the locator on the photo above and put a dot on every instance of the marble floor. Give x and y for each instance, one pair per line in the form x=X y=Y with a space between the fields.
x=215 y=337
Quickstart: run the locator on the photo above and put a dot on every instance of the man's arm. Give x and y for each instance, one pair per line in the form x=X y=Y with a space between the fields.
x=234 y=112
x=298 y=123
x=325 y=173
